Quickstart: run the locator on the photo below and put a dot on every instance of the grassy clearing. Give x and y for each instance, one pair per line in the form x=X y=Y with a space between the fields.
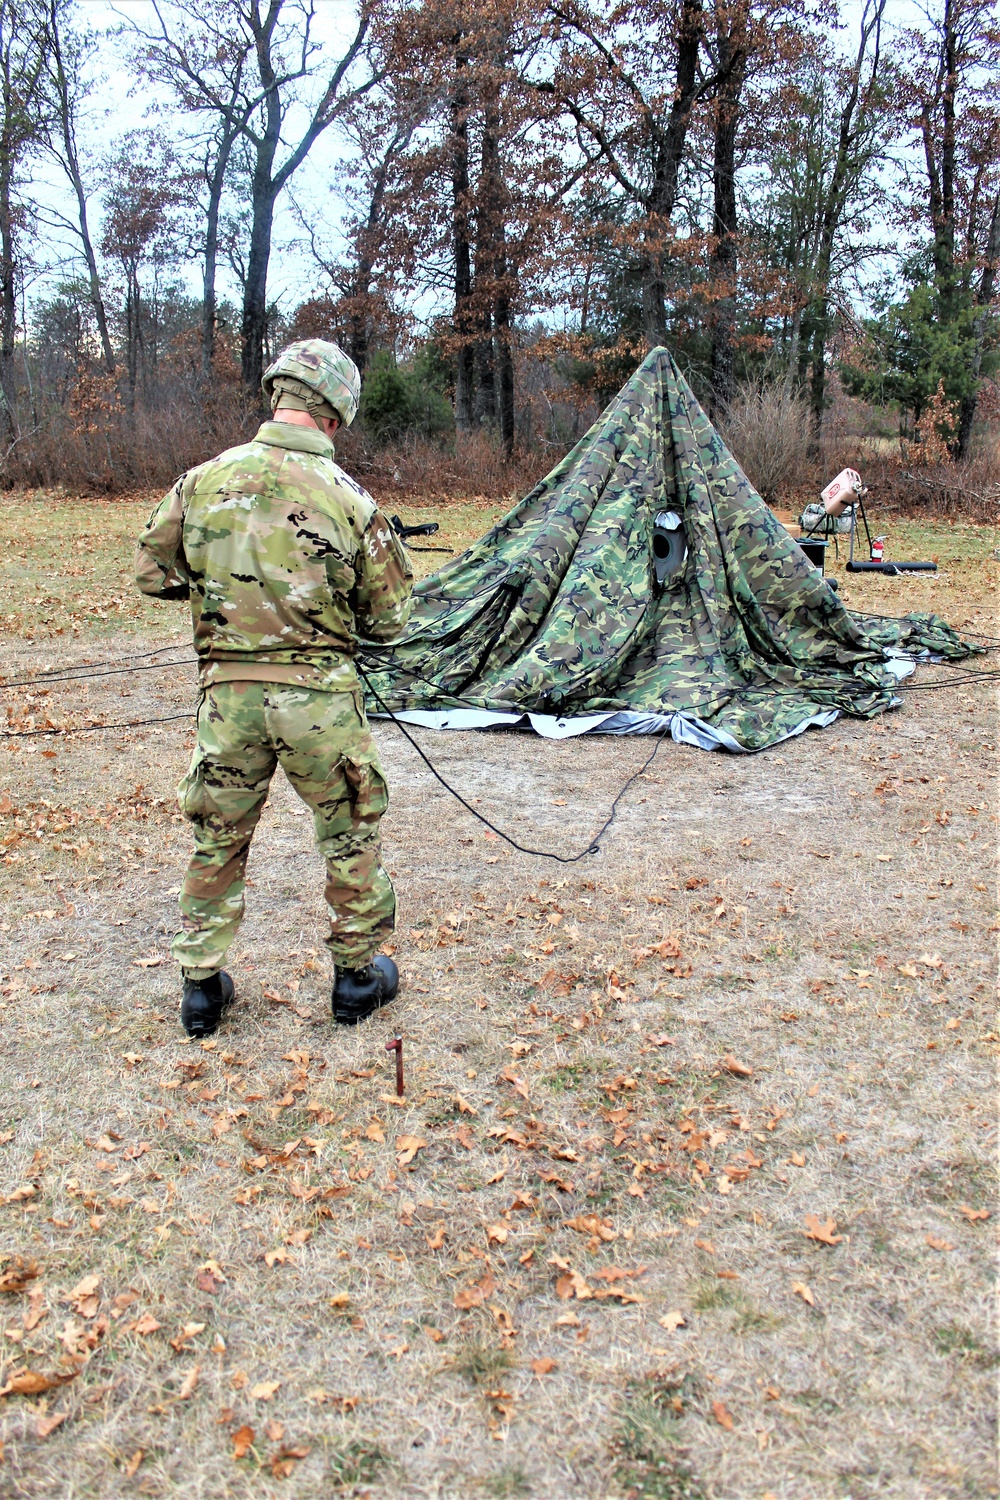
x=66 y=564
x=595 y=1275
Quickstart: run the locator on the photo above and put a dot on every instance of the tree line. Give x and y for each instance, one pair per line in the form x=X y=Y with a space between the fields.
x=776 y=195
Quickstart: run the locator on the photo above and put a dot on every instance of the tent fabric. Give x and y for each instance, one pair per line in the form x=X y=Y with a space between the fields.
x=683 y=729
x=557 y=612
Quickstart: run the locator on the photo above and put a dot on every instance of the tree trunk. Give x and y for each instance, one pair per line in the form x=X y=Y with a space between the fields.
x=12 y=106
x=267 y=183
x=65 y=105
x=871 y=26
x=253 y=327
x=723 y=261
x=794 y=337
x=8 y=303
x=131 y=334
x=484 y=406
x=209 y=306
x=984 y=299
x=939 y=159
x=490 y=263
x=367 y=244
x=465 y=369
x=505 y=369
x=263 y=193
x=668 y=154
x=93 y=275
x=358 y=336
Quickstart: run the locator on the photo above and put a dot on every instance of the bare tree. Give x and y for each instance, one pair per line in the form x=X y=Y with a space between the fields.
x=194 y=48
x=22 y=62
x=630 y=80
x=360 y=303
x=860 y=140
x=733 y=43
x=67 y=54
x=950 y=85
x=142 y=195
x=274 y=41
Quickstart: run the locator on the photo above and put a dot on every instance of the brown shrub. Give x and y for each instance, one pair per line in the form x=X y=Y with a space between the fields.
x=767 y=429
x=420 y=471
x=97 y=447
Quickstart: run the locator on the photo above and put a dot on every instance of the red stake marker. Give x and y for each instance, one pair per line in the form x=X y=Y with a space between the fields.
x=396 y=1045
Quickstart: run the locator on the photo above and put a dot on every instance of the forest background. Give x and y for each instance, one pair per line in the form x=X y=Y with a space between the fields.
x=497 y=207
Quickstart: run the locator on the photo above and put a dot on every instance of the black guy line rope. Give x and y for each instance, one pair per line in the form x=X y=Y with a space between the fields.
x=593 y=846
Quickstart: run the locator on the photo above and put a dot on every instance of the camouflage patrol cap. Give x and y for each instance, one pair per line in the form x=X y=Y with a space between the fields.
x=311 y=369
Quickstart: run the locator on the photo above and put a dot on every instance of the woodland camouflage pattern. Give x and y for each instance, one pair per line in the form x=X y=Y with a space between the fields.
x=284 y=558
x=557 y=611
x=326 y=750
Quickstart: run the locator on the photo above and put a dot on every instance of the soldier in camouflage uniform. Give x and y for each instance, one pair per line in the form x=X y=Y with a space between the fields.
x=285 y=560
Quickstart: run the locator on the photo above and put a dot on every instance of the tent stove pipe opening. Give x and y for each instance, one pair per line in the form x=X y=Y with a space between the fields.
x=669 y=545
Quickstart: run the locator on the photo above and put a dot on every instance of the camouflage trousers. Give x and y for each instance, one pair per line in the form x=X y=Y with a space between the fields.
x=326 y=750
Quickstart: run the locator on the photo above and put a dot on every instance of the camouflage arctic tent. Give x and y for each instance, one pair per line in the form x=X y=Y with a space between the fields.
x=559 y=614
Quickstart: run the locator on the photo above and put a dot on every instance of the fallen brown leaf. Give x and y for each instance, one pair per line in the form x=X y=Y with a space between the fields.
x=284 y=1460
x=741 y=1070
x=824 y=1233
x=84 y=1296
x=408 y=1146
x=45 y=1425
x=468 y=1297
x=800 y=1289
x=937 y=1244
x=242 y=1441
x=343 y=1404
x=618 y=1273
x=189 y=1331
x=17 y=1276
x=34 y=1383
x=672 y=1320
x=722 y=1416
x=264 y=1390
x=570 y=1284
x=591 y=1224
x=544 y=1365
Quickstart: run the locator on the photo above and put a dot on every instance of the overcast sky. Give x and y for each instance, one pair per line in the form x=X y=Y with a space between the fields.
x=118 y=105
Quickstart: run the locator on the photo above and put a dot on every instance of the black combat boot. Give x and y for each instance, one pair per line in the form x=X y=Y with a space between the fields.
x=204 y=1001
x=357 y=992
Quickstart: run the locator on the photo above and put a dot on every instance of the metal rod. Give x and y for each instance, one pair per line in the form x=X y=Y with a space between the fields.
x=396 y=1045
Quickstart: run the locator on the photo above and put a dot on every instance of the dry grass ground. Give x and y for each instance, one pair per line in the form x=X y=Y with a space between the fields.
x=633 y=1081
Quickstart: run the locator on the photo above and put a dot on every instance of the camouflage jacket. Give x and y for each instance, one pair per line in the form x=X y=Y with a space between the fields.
x=285 y=559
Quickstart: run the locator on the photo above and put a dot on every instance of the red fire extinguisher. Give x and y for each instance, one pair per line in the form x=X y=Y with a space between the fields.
x=878 y=549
